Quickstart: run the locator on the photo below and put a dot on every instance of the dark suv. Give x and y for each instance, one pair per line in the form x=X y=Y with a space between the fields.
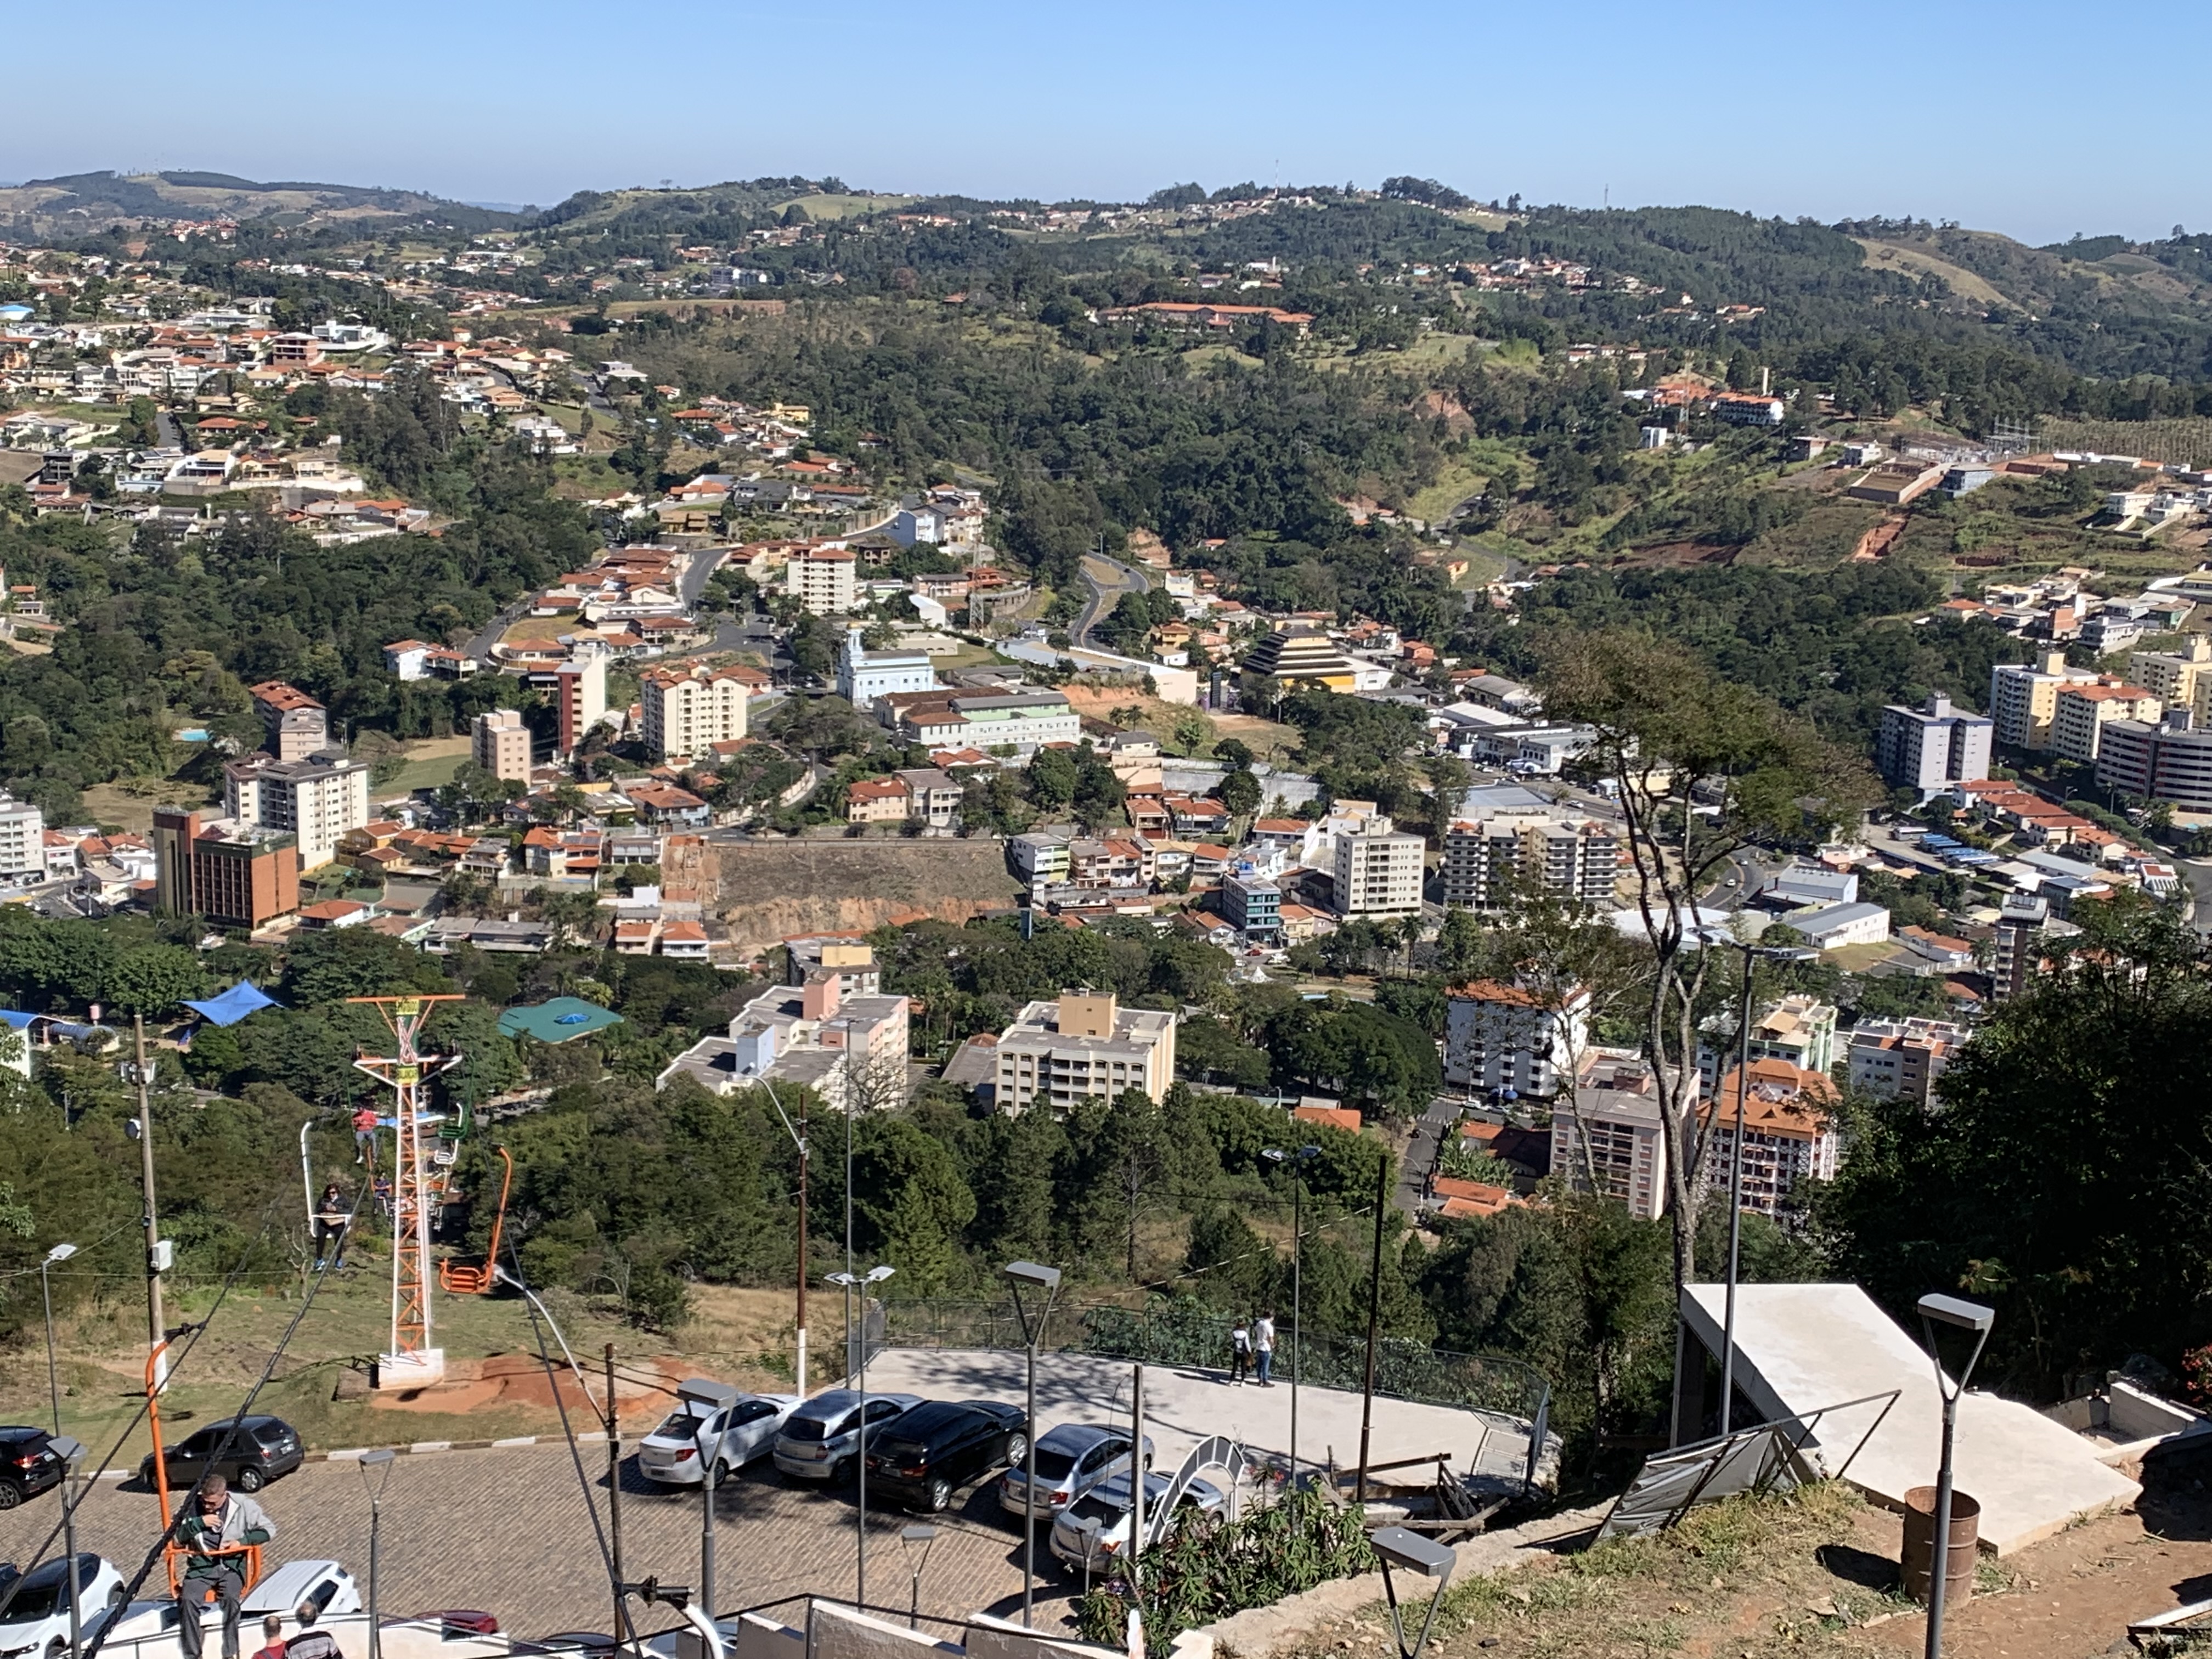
x=940 y=1446
x=29 y=1464
x=248 y=1452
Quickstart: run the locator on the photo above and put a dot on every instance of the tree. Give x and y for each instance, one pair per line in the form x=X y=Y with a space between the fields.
x=1668 y=724
x=153 y=979
x=1240 y=793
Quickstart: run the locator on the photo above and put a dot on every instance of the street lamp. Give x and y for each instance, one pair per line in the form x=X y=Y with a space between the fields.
x=1297 y=1161
x=1939 y=1310
x=852 y=1283
x=380 y=1459
x=1394 y=1546
x=59 y=1253
x=909 y=1536
x=71 y=1452
x=1047 y=1279
x=711 y=1399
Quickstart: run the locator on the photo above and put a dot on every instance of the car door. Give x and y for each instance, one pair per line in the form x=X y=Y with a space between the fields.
x=879 y=1410
x=190 y=1460
x=973 y=1438
x=752 y=1424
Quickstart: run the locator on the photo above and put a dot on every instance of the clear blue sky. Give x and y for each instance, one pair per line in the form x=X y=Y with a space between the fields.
x=2036 y=120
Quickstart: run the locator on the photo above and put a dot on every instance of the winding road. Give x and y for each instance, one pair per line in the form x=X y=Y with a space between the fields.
x=1107 y=581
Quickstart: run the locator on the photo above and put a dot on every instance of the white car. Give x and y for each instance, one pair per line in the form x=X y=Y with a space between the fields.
x=1098 y=1522
x=820 y=1441
x=280 y=1589
x=37 y=1623
x=675 y=1453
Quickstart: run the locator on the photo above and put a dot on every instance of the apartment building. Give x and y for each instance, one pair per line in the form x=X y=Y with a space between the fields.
x=851 y=957
x=1930 y=748
x=1253 y=905
x=236 y=875
x=22 y=840
x=1799 y=1027
x=2016 y=950
x=1609 y=1135
x=1901 y=1059
x=2024 y=698
x=580 y=696
x=686 y=709
x=2170 y=761
x=1083 y=1046
x=2174 y=677
x=2082 y=712
x=1487 y=865
x=824 y=579
x=315 y=799
x=498 y=742
x=1039 y=859
x=1378 y=873
x=1790 y=1133
x=851 y=1050
x=1020 y=718
x=1499 y=1037
x=293 y=724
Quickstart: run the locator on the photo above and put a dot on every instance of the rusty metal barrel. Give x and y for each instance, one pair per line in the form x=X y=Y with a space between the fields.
x=1919 y=1553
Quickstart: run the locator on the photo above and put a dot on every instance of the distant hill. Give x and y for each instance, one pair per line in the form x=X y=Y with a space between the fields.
x=86 y=203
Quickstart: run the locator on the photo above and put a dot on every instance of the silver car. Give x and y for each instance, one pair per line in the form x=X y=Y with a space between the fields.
x=1070 y=1461
x=821 y=1438
x=676 y=1453
x=1098 y=1522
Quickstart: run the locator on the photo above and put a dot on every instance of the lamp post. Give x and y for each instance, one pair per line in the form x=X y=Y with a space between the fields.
x=59 y=1253
x=1297 y=1162
x=380 y=1461
x=71 y=1452
x=1036 y=1278
x=856 y=1288
x=925 y=1536
x=1394 y=1546
x=710 y=1400
x=1938 y=1309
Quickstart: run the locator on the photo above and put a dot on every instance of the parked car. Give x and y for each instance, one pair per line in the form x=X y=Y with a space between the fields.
x=672 y=1453
x=29 y=1464
x=1108 y=1505
x=821 y=1438
x=37 y=1622
x=937 y=1449
x=1070 y=1459
x=248 y=1452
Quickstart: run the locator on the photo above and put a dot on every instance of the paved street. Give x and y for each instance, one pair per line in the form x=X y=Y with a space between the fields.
x=1108 y=579
x=506 y=1530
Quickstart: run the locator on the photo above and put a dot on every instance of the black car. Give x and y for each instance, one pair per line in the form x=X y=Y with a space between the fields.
x=941 y=1445
x=248 y=1452
x=29 y=1464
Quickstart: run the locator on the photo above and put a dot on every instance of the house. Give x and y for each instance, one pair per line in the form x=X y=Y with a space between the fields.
x=668 y=806
x=685 y=941
x=933 y=797
x=407 y=660
x=337 y=912
x=875 y=801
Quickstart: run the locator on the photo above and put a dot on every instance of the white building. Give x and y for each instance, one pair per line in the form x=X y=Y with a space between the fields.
x=1835 y=925
x=850 y=1050
x=1085 y=1046
x=22 y=840
x=316 y=800
x=1799 y=1027
x=1378 y=873
x=1902 y=1059
x=1505 y=1036
x=1928 y=749
x=864 y=675
x=1487 y=865
x=1020 y=718
x=685 y=709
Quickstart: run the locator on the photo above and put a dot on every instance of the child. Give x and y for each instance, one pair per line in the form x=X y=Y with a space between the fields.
x=1240 y=1353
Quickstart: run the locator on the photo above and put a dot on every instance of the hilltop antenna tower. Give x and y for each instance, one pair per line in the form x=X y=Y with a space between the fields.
x=413 y=1361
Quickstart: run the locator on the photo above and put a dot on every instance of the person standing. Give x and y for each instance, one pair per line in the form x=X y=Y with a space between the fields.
x=214 y=1535
x=272 y=1637
x=311 y=1643
x=1263 y=1343
x=1240 y=1352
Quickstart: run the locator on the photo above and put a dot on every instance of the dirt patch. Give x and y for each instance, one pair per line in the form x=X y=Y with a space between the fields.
x=769 y=891
x=129 y=805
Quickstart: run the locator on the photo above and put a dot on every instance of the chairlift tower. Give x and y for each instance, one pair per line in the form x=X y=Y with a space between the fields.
x=413 y=1361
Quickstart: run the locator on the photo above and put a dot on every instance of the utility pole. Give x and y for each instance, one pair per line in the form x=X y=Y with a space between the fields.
x=154 y=1329
x=1374 y=1322
x=614 y=1496
x=804 y=1159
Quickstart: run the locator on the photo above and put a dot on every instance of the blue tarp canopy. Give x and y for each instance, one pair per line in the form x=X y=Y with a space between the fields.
x=243 y=998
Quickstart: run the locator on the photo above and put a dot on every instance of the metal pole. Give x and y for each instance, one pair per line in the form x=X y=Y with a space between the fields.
x=805 y=1157
x=1735 y=1204
x=1374 y=1321
x=860 y=1444
x=1028 y=1494
x=54 y=1376
x=70 y=1490
x=375 y=1545
x=1940 y=1564
x=1298 y=1297
x=706 y=1538
x=1136 y=1480
x=154 y=1326
x=614 y=1495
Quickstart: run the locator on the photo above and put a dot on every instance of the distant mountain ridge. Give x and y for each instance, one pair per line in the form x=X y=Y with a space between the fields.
x=83 y=203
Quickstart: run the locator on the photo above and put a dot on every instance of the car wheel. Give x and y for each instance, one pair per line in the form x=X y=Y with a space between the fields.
x=1018 y=1447
x=11 y=1494
x=249 y=1478
x=939 y=1496
x=840 y=1471
x=722 y=1473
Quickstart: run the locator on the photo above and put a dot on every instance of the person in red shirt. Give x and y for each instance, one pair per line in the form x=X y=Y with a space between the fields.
x=364 y=1137
x=272 y=1637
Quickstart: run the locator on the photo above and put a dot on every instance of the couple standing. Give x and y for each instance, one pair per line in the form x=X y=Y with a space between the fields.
x=1249 y=1342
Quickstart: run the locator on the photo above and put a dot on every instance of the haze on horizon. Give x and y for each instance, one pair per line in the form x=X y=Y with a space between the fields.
x=2006 y=124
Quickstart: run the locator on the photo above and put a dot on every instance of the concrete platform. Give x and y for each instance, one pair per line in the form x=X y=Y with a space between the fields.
x=1184 y=1405
x=1800 y=1348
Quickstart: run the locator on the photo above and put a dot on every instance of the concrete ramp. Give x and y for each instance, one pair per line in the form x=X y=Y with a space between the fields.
x=1800 y=1347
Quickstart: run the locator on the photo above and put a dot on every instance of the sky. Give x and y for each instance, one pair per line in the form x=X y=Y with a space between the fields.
x=2032 y=119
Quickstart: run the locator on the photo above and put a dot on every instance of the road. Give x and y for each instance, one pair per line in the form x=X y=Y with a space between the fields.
x=2196 y=876
x=1429 y=1130
x=1108 y=579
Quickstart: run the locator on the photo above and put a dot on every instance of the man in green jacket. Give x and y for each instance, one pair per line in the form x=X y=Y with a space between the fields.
x=220 y=1520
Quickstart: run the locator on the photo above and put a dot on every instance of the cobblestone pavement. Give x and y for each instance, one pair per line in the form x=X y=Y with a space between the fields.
x=506 y=1530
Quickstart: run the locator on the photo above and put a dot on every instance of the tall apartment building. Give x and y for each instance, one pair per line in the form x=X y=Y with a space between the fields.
x=1790 y=1132
x=2016 y=949
x=1378 y=873
x=687 y=709
x=580 y=696
x=1085 y=1045
x=500 y=743
x=2171 y=761
x=1932 y=747
x=2024 y=698
x=2082 y=712
x=1799 y=1027
x=1609 y=1135
x=293 y=724
x=235 y=874
x=22 y=840
x=1505 y=1036
x=316 y=800
x=2174 y=677
x=1253 y=905
x=1487 y=864
x=824 y=579
x=1901 y=1059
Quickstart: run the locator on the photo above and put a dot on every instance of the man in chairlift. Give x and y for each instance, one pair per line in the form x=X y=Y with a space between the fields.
x=222 y=1521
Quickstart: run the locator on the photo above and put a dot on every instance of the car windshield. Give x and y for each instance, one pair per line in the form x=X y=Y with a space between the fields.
x=43 y=1592
x=1051 y=1465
